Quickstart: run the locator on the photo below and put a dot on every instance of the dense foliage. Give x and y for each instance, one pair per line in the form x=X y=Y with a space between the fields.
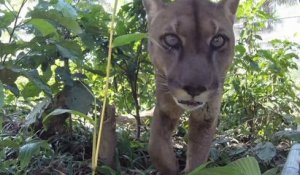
x=49 y=46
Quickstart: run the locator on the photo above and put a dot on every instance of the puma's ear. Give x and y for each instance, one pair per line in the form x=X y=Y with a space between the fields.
x=152 y=6
x=230 y=7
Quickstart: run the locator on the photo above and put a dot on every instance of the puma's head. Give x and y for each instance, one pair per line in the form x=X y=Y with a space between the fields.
x=191 y=44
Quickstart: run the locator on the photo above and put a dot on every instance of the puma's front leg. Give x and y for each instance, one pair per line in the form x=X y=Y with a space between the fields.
x=202 y=128
x=160 y=145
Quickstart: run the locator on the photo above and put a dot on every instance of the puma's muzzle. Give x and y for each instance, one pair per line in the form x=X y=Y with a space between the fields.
x=191 y=102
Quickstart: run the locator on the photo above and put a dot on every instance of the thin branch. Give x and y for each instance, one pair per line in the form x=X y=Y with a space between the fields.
x=16 y=21
x=15 y=26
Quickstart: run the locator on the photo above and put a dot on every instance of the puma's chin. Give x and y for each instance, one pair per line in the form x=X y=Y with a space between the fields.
x=190 y=105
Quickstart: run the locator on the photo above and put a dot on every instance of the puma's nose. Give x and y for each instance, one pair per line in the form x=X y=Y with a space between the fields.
x=194 y=91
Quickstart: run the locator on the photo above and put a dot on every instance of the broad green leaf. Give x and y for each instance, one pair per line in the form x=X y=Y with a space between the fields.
x=30 y=90
x=66 y=9
x=107 y=170
x=13 y=88
x=66 y=53
x=258 y=37
x=266 y=54
x=8 y=75
x=241 y=49
x=34 y=77
x=37 y=112
x=247 y=165
x=254 y=65
x=28 y=150
x=292 y=55
x=127 y=39
x=69 y=50
x=6 y=19
x=272 y=171
x=199 y=168
x=226 y=170
x=8 y=142
x=56 y=16
x=44 y=27
x=56 y=112
x=1 y=95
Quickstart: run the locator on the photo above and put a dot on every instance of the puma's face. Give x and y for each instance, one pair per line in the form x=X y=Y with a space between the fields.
x=191 y=46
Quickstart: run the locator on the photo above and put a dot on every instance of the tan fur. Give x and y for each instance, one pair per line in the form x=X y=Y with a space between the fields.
x=189 y=75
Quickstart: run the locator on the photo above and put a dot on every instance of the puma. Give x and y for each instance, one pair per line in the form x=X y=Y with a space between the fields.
x=191 y=45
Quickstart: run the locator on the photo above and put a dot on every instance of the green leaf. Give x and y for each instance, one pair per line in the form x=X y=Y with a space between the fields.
x=66 y=9
x=265 y=54
x=8 y=48
x=8 y=75
x=247 y=165
x=226 y=170
x=258 y=37
x=129 y=38
x=37 y=112
x=56 y=16
x=13 y=88
x=56 y=112
x=272 y=171
x=199 y=168
x=44 y=27
x=34 y=77
x=30 y=90
x=243 y=166
x=8 y=143
x=1 y=95
x=107 y=170
x=6 y=19
x=218 y=171
x=241 y=49
x=66 y=53
x=28 y=150
x=69 y=50
x=292 y=55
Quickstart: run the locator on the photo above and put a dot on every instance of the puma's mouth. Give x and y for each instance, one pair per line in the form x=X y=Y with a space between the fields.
x=190 y=105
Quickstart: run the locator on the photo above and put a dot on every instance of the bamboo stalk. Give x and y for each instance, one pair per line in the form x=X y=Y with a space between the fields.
x=96 y=148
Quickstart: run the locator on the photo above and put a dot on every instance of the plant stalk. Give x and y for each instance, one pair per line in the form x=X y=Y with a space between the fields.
x=108 y=67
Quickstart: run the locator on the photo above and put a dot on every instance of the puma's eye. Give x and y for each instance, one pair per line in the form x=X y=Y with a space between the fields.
x=218 y=41
x=171 y=41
